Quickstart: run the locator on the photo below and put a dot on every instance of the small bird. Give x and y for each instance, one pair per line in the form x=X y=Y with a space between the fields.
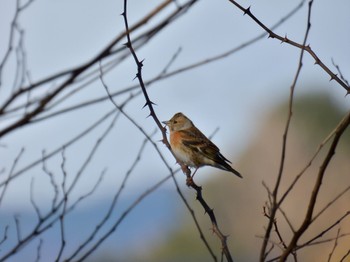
x=192 y=147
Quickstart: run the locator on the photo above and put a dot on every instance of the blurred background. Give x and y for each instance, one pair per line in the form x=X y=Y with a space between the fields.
x=241 y=98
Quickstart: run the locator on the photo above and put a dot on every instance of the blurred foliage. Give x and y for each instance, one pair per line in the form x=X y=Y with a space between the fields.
x=238 y=204
x=315 y=116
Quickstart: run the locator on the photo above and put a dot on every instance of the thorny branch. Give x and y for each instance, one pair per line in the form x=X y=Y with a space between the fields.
x=303 y=46
x=184 y=168
x=71 y=77
x=166 y=164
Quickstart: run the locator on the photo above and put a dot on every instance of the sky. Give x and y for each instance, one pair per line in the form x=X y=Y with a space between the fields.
x=232 y=95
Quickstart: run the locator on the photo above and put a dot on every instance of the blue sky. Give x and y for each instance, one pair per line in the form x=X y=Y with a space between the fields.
x=233 y=94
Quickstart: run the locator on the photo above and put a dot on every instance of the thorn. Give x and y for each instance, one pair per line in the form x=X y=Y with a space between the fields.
x=150 y=114
x=134 y=77
x=127 y=44
x=317 y=62
x=247 y=11
x=146 y=104
x=332 y=77
x=122 y=14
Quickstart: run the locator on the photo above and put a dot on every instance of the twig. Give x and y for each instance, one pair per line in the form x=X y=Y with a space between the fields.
x=72 y=75
x=307 y=48
x=64 y=208
x=302 y=172
x=335 y=246
x=340 y=73
x=345 y=256
x=329 y=228
x=185 y=169
x=112 y=207
x=331 y=203
x=312 y=202
x=121 y=218
x=275 y=204
x=59 y=149
x=4 y=238
x=167 y=165
x=14 y=27
x=38 y=250
x=32 y=201
x=115 y=62
x=52 y=181
x=11 y=175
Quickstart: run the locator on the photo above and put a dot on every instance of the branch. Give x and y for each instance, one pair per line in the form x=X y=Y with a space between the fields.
x=275 y=204
x=312 y=202
x=184 y=168
x=166 y=164
x=10 y=176
x=304 y=47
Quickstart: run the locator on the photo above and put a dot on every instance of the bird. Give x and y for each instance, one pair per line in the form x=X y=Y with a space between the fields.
x=192 y=147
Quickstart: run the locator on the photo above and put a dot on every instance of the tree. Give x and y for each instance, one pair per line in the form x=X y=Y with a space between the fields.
x=89 y=104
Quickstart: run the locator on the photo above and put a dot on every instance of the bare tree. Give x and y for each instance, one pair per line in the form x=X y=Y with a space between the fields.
x=28 y=103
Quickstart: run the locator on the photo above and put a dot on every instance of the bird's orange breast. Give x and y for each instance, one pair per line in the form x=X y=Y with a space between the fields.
x=175 y=139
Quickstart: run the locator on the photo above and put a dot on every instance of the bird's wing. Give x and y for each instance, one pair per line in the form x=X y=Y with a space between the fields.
x=197 y=141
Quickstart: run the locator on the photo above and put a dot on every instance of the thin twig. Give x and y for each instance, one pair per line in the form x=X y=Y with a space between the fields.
x=11 y=175
x=312 y=202
x=334 y=246
x=285 y=39
x=275 y=204
x=167 y=165
x=185 y=169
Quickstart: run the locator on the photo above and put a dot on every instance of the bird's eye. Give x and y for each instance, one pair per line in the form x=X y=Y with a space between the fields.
x=175 y=122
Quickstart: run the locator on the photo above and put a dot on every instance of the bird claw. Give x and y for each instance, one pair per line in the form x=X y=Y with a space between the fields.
x=189 y=181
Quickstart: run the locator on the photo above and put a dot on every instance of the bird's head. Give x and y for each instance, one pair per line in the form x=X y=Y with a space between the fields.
x=178 y=122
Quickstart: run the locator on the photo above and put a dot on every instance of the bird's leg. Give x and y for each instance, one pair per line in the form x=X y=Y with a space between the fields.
x=189 y=180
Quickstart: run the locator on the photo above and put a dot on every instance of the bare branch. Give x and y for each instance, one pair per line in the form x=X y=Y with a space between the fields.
x=304 y=47
x=121 y=218
x=312 y=202
x=345 y=256
x=52 y=181
x=32 y=201
x=38 y=250
x=59 y=149
x=335 y=246
x=275 y=204
x=5 y=183
x=5 y=237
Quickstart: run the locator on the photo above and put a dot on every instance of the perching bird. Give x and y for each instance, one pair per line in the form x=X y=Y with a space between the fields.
x=192 y=147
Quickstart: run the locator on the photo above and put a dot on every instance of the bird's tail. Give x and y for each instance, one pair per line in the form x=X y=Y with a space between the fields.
x=235 y=172
x=225 y=166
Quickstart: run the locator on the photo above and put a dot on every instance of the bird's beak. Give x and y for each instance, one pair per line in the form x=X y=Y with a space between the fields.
x=165 y=122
